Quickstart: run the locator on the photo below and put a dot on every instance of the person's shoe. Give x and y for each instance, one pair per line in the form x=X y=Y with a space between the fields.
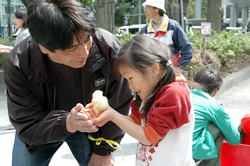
x=199 y=163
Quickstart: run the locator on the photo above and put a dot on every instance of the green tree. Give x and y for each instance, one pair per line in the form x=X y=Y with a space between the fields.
x=204 y=9
x=191 y=9
x=88 y=3
x=124 y=7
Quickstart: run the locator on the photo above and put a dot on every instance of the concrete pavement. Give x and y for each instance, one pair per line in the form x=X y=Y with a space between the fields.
x=235 y=99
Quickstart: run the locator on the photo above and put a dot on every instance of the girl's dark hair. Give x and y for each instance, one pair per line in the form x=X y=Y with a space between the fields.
x=208 y=80
x=22 y=14
x=140 y=53
x=53 y=23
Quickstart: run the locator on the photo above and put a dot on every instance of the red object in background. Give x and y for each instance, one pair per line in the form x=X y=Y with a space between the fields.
x=235 y=155
x=245 y=125
x=246 y=140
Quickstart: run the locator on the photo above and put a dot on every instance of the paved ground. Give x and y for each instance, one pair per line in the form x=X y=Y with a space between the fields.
x=236 y=101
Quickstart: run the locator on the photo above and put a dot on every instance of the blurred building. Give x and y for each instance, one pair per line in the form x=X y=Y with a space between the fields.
x=236 y=12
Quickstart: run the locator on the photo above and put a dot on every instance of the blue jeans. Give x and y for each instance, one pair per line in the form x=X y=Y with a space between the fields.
x=78 y=144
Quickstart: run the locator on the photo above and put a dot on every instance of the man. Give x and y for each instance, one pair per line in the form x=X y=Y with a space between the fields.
x=223 y=24
x=63 y=62
x=168 y=31
x=185 y=22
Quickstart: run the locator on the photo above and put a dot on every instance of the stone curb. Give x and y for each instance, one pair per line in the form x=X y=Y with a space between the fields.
x=234 y=79
x=228 y=82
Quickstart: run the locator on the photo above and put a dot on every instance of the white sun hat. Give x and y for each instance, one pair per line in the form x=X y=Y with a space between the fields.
x=155 y=3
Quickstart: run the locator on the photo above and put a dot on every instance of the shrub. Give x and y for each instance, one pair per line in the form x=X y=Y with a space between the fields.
x=124 y=38
x=225 y=45
x=197 y=60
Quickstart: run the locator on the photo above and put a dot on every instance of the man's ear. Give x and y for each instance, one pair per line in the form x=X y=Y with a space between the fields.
x=43 y=49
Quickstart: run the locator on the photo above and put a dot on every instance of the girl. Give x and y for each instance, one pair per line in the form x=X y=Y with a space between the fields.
x=161 y=117
x=212 y=123
x=20 y=21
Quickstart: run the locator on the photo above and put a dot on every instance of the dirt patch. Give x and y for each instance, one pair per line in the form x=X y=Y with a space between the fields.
x=236 y=64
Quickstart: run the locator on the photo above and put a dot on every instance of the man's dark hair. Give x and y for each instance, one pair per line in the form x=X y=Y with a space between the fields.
x=161 y=12
x=22 y=14
x=53 y=23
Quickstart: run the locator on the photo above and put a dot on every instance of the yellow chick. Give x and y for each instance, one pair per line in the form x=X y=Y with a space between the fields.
x=100 y=102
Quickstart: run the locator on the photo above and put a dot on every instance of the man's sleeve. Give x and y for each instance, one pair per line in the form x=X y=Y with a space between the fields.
x=34 y=123
x=184 y=45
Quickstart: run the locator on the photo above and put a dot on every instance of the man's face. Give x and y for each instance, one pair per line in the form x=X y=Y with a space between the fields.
x=150 y=11
x=76 y=56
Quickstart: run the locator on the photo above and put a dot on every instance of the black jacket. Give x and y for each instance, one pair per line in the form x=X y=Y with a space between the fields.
x=31 y=93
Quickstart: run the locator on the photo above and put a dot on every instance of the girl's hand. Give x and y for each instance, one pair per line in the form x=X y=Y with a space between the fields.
x=104 y=117
x=88 y=106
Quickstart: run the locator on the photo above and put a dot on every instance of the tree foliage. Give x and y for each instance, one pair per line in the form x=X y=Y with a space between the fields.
x=124 y=7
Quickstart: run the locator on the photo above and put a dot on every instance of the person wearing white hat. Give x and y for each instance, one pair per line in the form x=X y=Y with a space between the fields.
x=168 y=31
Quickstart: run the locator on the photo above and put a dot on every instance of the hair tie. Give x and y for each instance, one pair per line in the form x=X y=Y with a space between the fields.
x=169 y=63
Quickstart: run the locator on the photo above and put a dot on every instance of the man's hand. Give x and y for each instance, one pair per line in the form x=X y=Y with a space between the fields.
x=78 y=121
x=97 y=160
x=5 y=49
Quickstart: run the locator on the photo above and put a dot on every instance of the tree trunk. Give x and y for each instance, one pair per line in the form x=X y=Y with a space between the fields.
x=105 y=14
x=168 y=8
x=214 y=14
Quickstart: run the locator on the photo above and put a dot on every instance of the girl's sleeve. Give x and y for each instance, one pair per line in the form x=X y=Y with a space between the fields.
x=135 y=115
x=171 y=111
x=223 y=121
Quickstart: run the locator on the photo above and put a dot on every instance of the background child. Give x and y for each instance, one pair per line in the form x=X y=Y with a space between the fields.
x=212 y=123
x=161 y=119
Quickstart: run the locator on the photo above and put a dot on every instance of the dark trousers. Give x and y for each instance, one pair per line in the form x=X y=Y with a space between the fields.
x=77 y=142
x=218 y=139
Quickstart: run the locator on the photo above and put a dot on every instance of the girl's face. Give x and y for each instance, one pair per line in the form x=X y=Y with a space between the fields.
x=142 y=84
x=18 y=22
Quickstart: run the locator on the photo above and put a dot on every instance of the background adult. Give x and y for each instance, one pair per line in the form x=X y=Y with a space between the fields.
x=223 y=25
x=20 y=22
x=185 y=22
x=168 y=31
x=63 y=62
